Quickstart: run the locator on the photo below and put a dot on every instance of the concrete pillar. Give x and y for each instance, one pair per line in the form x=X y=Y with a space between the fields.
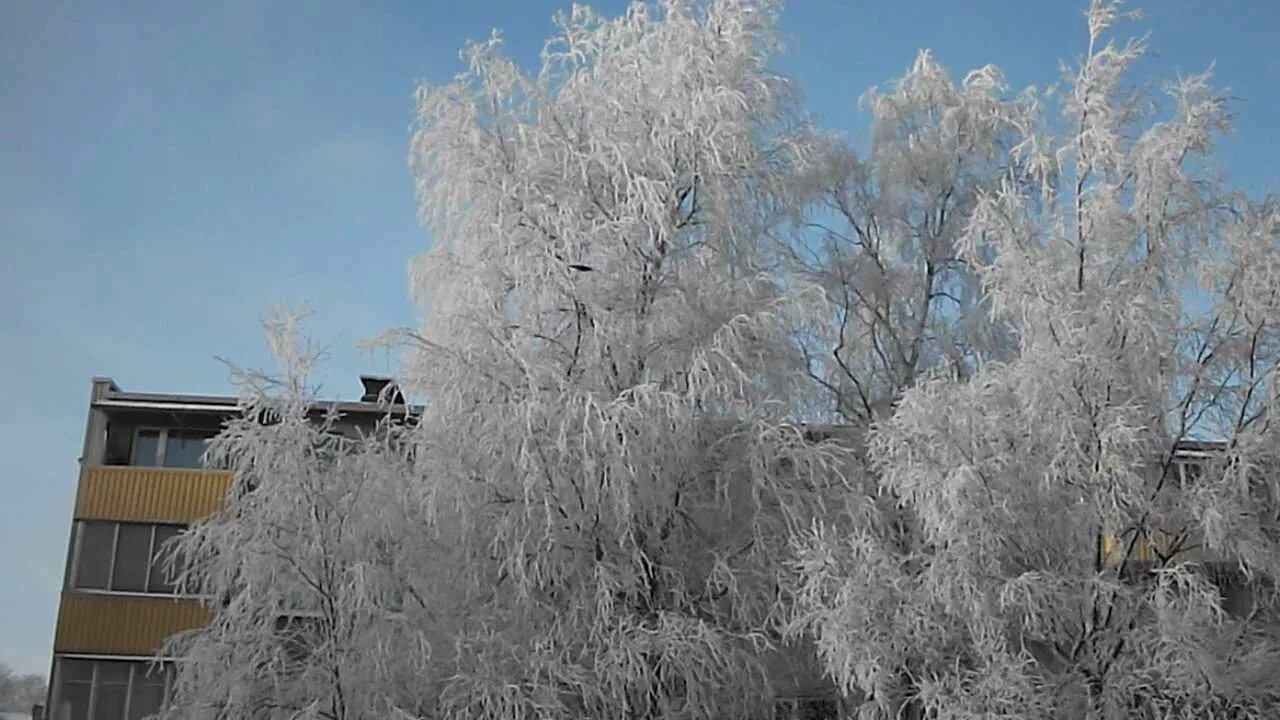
x=95 y=433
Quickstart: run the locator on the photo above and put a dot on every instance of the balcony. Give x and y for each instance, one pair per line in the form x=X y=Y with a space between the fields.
x=150 y=494
x=123 y=625
x=1149 y=550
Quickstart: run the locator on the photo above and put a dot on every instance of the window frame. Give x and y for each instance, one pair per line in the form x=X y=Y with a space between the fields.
x=74 y=575
x=162 y=445
x=792 y=707
x=135 y=665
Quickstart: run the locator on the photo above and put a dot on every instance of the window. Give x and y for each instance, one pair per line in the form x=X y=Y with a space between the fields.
x=171 y=448
x=1189 y=471
x=122 y=557
x=150 y=684
x=185 y=449
x=297 y=601
x=333 y=445
x=298 y=635
x=146 y=448
x=74 y=691
x=109 y=689
x=96 y=548
x=806 y=708
x=132 y=558
x=158 y=581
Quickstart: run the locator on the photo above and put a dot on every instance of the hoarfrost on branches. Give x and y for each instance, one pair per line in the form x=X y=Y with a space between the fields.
x=607 y=360
x=646 y=270
x=321 y=579
x=882 y=234
x=1066 y=564
x=606 y=450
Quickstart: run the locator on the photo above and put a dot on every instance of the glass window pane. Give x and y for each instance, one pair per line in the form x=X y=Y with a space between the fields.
x=185 y=449
x=75 y=670
x=1192 y=472
x=93 y=565
x=110 y=700
x=113 y=672
x=146 y=448
x=298 y=636
x=814 y=709
x=133 y=557
x=160 y=575
x=148 y=694
x=73 y=701
x=156 y=673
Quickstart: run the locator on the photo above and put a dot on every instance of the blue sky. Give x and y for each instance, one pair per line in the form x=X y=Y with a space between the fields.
x=167 y=173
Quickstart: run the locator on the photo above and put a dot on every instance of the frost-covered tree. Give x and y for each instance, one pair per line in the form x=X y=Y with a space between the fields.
x=18 y=693
x=882 y=237
x=881 y=232
x=590 y=515
x=587 y=517
x=322 y=580
x=1065 y=563
x=608 y=364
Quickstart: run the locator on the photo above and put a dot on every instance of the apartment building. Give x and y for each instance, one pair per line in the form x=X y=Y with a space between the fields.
x=141 y=482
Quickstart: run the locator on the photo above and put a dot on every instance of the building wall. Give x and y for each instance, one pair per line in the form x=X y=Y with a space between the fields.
x=116 y=608
x=140 y=483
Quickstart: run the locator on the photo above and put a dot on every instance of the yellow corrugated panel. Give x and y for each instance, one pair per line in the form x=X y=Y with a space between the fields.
x=1144 y=550
x=1113 y=550
x=1110 y=548
x=165 y=495
x=115 y=625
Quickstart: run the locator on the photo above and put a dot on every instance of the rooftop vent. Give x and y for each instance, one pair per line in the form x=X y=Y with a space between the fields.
x=377 y=388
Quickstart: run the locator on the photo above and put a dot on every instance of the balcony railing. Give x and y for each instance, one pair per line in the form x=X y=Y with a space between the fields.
x=150 y=494
x=1151 y=549
x=123 y=625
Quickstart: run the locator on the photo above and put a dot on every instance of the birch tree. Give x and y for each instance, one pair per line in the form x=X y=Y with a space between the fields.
x=881 y=235
x=1068 y=564
x=608 y=363
x=18 y=693
x=590 y=509
x=323 y=587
